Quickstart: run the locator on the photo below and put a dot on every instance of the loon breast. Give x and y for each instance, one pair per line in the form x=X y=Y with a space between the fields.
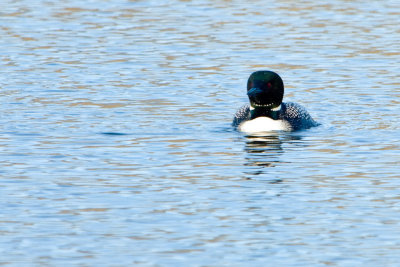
x=264 y=124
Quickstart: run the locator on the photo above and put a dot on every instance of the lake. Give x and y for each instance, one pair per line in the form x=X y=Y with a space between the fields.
x=116 y=145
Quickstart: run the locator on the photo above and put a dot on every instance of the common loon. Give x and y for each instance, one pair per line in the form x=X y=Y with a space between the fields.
x=266 y=111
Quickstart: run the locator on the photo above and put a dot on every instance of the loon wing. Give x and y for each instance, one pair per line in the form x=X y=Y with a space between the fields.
x=297 y=116
x=243 y=114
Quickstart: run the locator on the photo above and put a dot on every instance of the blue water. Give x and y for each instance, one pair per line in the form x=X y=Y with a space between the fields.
x=116 y=147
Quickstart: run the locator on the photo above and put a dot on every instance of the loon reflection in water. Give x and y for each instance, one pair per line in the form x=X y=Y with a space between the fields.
x=264 y=151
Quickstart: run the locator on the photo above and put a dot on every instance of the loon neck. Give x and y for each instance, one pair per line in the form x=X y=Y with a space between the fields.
x=265 y=112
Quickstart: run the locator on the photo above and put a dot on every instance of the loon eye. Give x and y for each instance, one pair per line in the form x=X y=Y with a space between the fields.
x=269 y=84
x=249 y=85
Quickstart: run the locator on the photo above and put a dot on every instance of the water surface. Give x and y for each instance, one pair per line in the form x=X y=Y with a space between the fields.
x=116 y=146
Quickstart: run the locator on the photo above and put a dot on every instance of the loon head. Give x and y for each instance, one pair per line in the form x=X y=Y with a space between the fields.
x=265 y=90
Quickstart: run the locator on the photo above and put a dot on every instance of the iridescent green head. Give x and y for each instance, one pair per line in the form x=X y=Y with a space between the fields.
x=265 y=89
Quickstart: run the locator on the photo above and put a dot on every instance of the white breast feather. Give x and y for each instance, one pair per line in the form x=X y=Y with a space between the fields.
x=264 y=124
